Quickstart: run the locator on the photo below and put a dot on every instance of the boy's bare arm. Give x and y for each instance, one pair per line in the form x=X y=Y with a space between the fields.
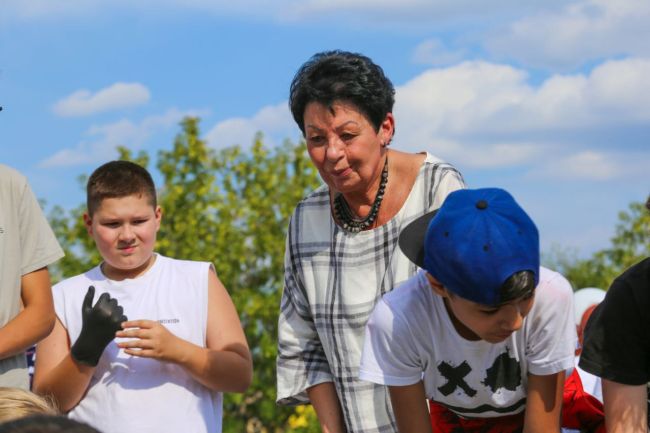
x=327 y=406
x=625 y=407
x=36 y=319
x=56 y=373
x=410 y=408
x=224 y=365
x=544 y=403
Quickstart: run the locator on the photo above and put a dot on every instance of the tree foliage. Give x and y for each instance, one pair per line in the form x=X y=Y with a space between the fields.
x=630 y=244
x=230 y=208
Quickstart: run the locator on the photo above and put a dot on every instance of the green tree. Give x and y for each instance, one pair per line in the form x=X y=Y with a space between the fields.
x=230 y=208
x=630 y=244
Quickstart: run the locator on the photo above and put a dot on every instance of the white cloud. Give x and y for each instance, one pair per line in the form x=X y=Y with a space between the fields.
x=434 y=52
x=274 y=121
x=476 y=97
x=31 y=9
x=102 y=140
x=390 y=13
x=118 y=95
x=582 y=31
x=478 y=112
x=588 y=165
x=594 y=165
x=488 y=116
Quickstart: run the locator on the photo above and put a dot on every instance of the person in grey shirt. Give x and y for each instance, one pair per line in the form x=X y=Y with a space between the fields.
x=27 y=247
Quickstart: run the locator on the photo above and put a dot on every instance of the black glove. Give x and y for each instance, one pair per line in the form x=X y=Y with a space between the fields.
x=99 y=324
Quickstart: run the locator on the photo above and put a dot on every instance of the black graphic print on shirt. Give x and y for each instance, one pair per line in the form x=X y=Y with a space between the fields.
x=455 y=378
x=505 y=372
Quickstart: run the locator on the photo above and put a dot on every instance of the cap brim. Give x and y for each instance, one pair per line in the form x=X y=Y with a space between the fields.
x=411 y=239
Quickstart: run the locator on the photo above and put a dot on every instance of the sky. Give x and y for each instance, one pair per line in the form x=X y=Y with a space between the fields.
x=547 y=99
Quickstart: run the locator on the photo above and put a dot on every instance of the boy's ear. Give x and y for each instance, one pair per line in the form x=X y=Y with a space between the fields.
x=88 y=222
x=158 y=216
x=437 y=286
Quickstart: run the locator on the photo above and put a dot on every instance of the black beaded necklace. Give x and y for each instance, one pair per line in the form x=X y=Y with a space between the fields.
x=348 y=219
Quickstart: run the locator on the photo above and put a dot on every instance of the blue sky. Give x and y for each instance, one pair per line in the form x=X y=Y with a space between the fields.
x=548 y=99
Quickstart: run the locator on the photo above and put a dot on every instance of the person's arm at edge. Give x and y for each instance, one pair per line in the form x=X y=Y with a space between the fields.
x=225 y=364
x=56 y=374
x=544 y=403
x=326 y=403
x=410 y=408
x=625 y=407
x=36 y=319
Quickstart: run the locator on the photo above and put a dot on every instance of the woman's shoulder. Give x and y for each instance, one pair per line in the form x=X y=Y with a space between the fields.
x=432 y=163
x=429 y=169
x=433 y=181
x=315 y=197
x=316 y=201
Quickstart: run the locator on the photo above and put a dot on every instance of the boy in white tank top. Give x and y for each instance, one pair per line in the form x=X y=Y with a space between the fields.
x=165 y=370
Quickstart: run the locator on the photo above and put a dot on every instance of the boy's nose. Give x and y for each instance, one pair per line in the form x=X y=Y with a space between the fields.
x=126 y=233
x=512 y=318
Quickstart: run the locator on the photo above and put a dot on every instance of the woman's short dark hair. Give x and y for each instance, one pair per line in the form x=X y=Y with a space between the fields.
x=517 y=286
x=331 y=76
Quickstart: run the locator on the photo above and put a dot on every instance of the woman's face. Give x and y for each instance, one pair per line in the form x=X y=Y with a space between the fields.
x=344 y=146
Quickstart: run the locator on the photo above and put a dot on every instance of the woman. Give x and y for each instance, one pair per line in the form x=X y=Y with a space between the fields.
x=342 y=250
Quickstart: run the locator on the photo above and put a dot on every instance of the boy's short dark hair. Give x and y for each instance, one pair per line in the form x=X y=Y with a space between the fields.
x=519 y=284
x=46 y=424
x=118 y=179
x=331 y=76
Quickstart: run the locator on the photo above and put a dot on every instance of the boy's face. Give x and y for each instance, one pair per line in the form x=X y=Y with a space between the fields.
x=482 y=322
x=124 y=230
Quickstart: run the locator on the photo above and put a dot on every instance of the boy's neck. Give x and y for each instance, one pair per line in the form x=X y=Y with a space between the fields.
x=117 y=274
x=462 y=330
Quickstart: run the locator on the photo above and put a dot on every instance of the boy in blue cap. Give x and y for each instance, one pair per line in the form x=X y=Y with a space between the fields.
x=482 y=331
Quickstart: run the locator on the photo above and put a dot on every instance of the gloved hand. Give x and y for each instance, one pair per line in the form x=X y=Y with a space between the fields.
x=99 y=324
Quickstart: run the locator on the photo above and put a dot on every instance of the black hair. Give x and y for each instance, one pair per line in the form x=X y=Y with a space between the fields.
x=45 y=424
x=118 y=179
x=331 y=76
x=517 y=286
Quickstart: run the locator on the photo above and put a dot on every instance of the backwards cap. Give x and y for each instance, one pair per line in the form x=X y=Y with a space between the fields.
x=474 y=243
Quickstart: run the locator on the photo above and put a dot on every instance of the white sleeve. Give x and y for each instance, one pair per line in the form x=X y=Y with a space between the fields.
x=58 y=296
x=389 y=354
x=552 y=336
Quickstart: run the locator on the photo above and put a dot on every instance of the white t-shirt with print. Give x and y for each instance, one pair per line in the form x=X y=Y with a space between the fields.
x=410 y=337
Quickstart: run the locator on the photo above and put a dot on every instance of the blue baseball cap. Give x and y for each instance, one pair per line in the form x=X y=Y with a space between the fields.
x=476 y=241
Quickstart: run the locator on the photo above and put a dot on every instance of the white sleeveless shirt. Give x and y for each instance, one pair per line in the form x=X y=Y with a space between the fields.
x=131 y=394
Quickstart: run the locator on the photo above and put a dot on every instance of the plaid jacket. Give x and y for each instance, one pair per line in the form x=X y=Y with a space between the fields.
x=332 y=281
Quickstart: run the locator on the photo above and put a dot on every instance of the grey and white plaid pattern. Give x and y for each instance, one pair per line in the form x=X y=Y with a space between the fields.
x=332 y=281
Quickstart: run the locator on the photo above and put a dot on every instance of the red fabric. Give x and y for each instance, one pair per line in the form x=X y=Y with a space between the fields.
x=445 y=421
x=581 y=410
